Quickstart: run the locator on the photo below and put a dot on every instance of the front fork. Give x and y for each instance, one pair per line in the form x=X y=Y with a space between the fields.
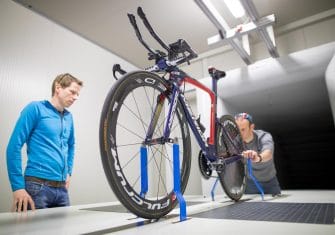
x=169 y=120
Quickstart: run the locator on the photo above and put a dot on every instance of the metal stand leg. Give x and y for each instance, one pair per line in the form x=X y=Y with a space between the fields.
x=213 y=188
x=176 y=181
x=259 y=187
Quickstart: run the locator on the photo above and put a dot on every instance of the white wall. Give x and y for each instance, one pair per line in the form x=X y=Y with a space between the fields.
x=33 y=51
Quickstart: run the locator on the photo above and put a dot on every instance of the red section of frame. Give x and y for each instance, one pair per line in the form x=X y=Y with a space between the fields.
x=212 y=96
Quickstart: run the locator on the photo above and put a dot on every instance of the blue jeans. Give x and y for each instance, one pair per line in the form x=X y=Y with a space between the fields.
x=269 y=187
x=45 y=196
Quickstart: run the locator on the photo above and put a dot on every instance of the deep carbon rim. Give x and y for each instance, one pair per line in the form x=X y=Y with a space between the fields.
x=120 y=146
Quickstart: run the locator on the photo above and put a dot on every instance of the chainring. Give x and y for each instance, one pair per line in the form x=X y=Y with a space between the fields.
x=204 y=166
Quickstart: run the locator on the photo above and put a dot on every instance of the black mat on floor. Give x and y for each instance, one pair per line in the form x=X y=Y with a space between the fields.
x=122 y=209
x=314 y=213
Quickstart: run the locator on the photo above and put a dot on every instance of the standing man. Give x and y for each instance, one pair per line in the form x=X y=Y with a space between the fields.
x=260 y=149
x=46 y=127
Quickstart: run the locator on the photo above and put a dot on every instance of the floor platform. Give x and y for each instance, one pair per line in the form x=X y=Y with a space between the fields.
x=296 y=212
x=314 y=213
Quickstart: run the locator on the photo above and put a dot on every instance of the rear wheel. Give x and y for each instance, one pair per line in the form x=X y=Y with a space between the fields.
x=230 y=146
x=125 y=118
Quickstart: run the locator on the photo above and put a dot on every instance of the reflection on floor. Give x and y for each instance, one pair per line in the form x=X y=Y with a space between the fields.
x=122 y=209
x=297 y=212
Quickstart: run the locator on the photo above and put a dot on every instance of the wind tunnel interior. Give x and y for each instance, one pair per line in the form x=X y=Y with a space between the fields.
x=290 y=98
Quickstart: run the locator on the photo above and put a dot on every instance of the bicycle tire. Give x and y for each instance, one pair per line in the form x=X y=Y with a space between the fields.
x=120 y=144
x=230 y=144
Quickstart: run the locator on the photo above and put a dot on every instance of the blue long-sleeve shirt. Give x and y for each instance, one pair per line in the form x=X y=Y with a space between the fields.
x=49 y=137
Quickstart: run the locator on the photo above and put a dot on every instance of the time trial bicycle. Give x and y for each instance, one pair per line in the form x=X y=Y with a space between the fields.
x=148 y=110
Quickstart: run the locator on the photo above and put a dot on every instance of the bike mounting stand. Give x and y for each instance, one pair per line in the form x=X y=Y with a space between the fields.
x=144 y=171
x=176 y=182
x=259 y=187
x=176 y=177
x=249 y=167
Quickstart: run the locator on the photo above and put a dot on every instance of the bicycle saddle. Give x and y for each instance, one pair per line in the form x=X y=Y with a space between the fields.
x=215 y=73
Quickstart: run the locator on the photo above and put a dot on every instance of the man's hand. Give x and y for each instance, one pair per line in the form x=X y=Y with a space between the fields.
x=67 y=182
x=21 y=200
x=253 y=155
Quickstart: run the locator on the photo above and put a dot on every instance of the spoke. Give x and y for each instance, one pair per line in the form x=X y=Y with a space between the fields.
x=165 y=155
x=174 y=127
x=137 y=179
x=139 y=175
x=130 y=131
x=159 y=170
x=138 y=111
x=181 y=153
x=126 y=145
x=137 y=117
x=151 y=103
x=126 y=164
x=160 y=167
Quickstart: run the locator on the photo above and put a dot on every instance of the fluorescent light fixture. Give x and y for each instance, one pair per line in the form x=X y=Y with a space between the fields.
x=217 y=16
x=235 y=7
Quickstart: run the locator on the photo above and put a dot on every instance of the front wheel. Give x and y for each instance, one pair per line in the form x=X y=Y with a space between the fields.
x=229 y=146
x=126 y=116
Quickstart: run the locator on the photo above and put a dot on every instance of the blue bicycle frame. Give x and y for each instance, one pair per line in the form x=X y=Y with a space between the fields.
x=177 y=79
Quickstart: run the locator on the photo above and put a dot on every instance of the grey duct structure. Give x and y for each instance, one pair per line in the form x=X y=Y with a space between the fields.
x=293 y=97
x=282 y=91
x=330 y=82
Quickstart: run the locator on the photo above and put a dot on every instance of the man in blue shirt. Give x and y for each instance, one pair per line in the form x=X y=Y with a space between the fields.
x=260 y=149
x=46 y=128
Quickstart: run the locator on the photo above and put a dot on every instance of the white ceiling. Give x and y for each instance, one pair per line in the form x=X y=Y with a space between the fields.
x=105 y=22
x=303 y=104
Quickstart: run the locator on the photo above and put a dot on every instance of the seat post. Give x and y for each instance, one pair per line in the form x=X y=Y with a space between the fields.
x=215 y=78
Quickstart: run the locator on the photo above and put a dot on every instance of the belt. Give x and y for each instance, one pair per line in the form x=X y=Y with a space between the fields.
x=52 y=183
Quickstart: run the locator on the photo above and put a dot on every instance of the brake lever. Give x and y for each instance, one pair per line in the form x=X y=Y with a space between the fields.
x=117 y=68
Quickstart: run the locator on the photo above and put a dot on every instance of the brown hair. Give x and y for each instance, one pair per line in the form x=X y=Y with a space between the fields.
x=64 y=80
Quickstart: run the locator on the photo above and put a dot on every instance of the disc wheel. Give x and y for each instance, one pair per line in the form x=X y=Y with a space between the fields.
x=125 y=118
x=230 y=146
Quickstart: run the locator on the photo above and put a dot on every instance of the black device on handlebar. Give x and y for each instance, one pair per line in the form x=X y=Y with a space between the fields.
x=178 y=51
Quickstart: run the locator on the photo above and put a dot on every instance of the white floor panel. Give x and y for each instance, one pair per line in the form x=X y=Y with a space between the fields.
x=78 y=220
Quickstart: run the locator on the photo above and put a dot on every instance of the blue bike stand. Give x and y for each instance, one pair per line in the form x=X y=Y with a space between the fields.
x=213 y=188
x=144 y=171
x=259 y=187
x=249 y=167
x=176 y=182
x=176 y=177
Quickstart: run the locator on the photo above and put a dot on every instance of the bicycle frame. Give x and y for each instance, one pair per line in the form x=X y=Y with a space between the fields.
x=177 y=79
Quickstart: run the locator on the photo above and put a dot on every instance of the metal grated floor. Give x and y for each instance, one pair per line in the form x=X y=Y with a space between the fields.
x=315 y=213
